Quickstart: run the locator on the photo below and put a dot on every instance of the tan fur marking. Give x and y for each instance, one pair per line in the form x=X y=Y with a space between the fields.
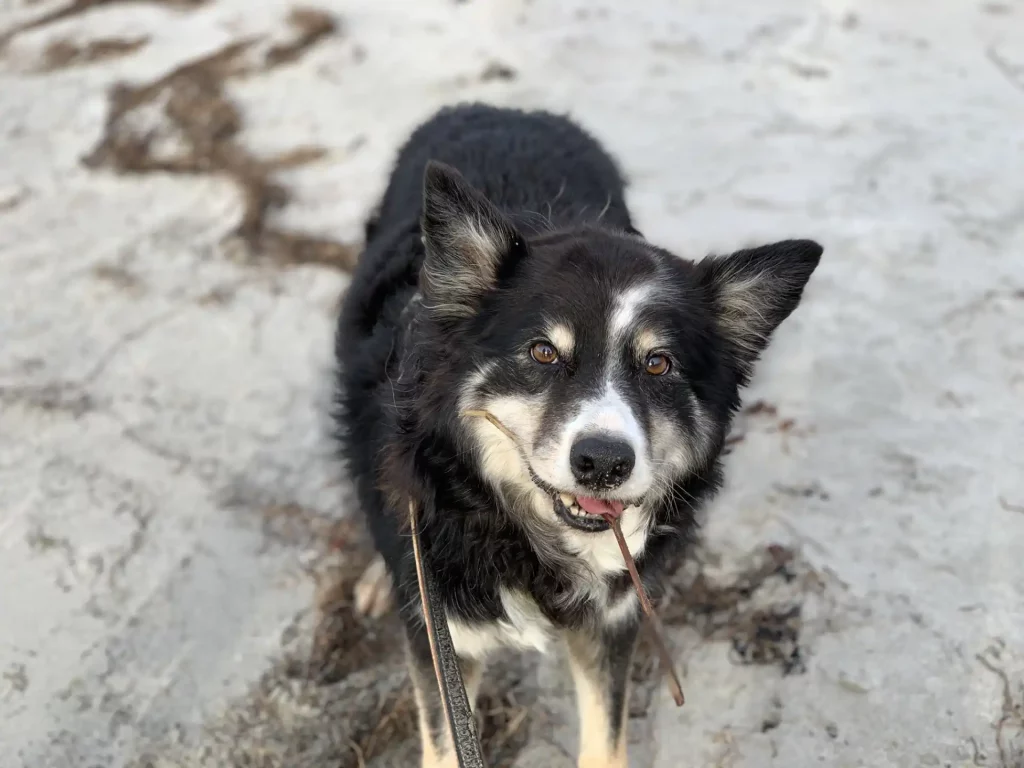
x=373 y=593
x=431 y=755
x=499 y=458
x=647 y=341
x=596 y=747
x=563 y=338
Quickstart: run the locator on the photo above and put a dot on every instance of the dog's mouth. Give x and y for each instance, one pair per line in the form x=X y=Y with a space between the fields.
x=586 y=513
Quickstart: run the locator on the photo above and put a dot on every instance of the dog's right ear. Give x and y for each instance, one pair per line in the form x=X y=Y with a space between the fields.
x=754 y=290
x=468 y=242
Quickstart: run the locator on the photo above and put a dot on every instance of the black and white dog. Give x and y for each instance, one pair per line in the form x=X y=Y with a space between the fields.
x=502 y=273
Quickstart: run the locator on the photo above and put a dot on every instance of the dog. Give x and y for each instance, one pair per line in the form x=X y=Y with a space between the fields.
x=502 y=274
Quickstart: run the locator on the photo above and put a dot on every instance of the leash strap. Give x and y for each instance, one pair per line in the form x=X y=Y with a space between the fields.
x=454 y=701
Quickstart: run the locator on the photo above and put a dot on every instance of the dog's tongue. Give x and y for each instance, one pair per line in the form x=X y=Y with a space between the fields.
x=600 y=507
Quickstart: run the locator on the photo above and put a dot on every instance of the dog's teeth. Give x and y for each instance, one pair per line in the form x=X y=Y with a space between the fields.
x=567 y=500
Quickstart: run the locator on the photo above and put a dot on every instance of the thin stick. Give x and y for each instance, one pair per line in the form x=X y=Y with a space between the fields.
x=675 y=688
x=657 y=632
x=428 y=619
x=494 y=421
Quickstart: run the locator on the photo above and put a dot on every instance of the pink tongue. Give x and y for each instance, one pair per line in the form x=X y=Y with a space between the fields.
x=600 y=506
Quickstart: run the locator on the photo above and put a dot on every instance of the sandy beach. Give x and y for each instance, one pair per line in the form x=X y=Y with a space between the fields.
x=183 y=185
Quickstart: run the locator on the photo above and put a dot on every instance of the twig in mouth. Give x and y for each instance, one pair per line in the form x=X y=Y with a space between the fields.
x=496 y=423
x=657 y=632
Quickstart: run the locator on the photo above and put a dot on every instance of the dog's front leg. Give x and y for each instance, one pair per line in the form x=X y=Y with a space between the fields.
x=600 y=660
x=435 y=736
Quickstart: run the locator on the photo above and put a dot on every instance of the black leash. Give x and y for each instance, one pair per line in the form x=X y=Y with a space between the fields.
x=456 y=706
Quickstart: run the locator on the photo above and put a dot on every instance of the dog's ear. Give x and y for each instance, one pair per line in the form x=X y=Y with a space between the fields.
x=469 y=243
x=753 y=291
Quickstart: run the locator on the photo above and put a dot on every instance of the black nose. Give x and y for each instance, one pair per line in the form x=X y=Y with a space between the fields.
x=601 y=462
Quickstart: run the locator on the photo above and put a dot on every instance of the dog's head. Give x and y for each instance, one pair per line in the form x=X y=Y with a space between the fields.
x=614 y=365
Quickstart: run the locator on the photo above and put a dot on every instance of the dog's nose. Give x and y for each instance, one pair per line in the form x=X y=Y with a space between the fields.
x=601 y=462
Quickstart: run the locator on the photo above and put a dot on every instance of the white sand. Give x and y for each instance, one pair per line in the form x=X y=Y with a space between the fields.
x=141 y=426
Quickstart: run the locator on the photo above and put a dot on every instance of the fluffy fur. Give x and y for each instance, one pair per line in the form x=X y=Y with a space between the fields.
x=502 y=272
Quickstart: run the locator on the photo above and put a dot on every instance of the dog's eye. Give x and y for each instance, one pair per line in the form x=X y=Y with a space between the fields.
x=657 y=364
x=544 y=353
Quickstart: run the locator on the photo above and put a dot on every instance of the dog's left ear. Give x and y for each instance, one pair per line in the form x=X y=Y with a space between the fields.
x=753 y=291
x=469 y=243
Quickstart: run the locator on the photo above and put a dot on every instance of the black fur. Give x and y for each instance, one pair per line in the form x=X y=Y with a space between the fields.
x=553 y=201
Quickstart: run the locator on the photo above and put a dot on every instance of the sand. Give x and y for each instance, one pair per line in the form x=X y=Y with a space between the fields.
x=182 y=192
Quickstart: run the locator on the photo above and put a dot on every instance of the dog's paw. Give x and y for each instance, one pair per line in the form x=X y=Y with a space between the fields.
x=602 y=762
x=373 y=592
x=449 y=760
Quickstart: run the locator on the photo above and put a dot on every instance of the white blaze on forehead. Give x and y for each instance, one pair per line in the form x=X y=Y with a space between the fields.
x=626 y=309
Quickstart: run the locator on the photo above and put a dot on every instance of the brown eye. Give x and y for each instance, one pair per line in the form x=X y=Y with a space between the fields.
x=544 y=353
x=657 y=364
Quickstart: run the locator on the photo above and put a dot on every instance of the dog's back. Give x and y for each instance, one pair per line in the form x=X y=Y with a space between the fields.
x=526 y=163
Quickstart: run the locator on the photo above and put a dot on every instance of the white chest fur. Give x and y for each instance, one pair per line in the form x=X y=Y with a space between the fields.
x=525 y=628
x=600 y=551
